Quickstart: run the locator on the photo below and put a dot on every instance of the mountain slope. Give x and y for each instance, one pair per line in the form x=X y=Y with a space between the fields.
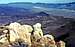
x=9 y=11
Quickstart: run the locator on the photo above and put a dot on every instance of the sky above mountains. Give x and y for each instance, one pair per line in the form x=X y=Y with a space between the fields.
x=35 y=1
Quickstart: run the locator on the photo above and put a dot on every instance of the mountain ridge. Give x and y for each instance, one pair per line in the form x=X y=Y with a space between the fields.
x=46 y=5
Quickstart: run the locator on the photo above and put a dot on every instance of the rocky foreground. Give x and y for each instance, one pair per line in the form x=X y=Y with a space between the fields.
x=18 y=35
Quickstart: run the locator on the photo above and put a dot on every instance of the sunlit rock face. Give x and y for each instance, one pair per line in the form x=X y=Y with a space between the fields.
x=20 y=31
x=47 y=41
x=13 y=36
x=24 y=33
x=37 y=31
x=20 y=36
x=3 y=40
x=28 y=28
x=50 y=39
x=14 y=26
x=49 y=36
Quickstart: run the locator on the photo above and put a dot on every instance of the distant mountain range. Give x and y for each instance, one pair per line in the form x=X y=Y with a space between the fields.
x=45 y=5
x=27 y=8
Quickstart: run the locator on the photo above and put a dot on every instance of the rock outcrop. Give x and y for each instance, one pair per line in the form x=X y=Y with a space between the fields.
x=20 y=35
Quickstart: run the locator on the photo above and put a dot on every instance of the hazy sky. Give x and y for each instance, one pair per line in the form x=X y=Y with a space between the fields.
x=34 y=1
